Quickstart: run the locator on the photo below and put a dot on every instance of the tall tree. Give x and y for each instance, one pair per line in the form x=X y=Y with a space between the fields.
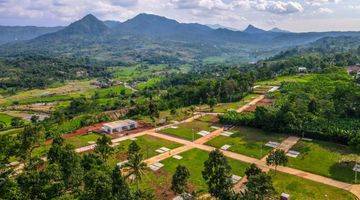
x=217 y=174
x=103 y=147
x=135 y=163
x=29 y=138
x=276 y=158
x=179 y=179
x=259 y=187
x=120 y=189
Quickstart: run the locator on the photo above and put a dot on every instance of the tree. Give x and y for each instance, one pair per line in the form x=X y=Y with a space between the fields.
x=97 y=185
x=212 y=102
x=135 y=163
x=259 y=186
x=120 y=189
x=276 y=158
x=34 y=119
x=252 y=170
x=29 y=138
x=16 y=122
x=312 y=106
x=217 y=174
x=103 y=147
x=179 y=179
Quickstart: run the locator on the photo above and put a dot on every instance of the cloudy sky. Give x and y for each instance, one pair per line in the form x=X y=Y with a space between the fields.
x=294 y=15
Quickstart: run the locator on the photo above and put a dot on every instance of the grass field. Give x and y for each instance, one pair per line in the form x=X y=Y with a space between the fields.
x=148 y=146
x=224 y=107
x=326 y=159
x=181 y=114
x=5 y=119
x=247 y=141
x=194 y=160
x=189 y=130
x=292 y=78
x=302 y=189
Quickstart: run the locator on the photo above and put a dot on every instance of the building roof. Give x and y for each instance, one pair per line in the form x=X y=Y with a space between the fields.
x=120 y=123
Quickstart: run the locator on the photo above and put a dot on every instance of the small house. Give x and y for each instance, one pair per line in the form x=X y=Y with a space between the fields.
x=119 y=126
x=302 y=70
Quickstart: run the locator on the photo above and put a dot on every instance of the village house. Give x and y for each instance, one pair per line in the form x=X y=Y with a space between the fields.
x=119 y=126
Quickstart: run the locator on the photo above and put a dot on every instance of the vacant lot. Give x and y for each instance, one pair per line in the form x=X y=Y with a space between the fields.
x=189 y=130
x=194 y=160
x=303 y=189
x=224 y=107
x=247 y=141
x=326 y=159
x=148 y=146
x=293 y=78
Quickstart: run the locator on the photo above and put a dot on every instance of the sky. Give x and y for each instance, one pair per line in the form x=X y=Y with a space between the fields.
x=293 y=15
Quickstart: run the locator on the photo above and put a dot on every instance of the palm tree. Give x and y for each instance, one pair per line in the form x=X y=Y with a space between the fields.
x=136 y=167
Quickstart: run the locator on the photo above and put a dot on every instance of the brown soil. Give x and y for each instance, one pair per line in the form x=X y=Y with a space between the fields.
x=263 y=102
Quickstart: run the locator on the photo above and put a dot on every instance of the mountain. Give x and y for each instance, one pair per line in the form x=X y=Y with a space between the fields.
x=19 y=33
x=217 y=26
x=157 y=39
x=253 y=29
x=277 y=30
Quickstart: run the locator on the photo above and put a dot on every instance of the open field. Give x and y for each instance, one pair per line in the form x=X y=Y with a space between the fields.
x=189 y=130
x=247 y=141
x=326 y=159
x=292 y=78
x=5 y=118
x=224 y=107
x=194 y=160
x=302 y=189
x=148 y=146
x=167 y=117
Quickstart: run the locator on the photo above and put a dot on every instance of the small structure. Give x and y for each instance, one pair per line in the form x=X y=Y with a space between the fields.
x=226 y=133
x=272 y=144
x=285 y=196
x=302 y=69
x=162 y=150
x=156 y=166
x=225 y=147
x=177 y=157
x=203 y=133
x=235 y=178
x=293 y=154
x=119 y=126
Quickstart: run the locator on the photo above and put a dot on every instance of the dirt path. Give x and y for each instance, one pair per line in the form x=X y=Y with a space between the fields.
x=251 y=103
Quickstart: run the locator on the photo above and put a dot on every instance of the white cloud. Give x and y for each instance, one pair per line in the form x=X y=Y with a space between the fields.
x=324 y=11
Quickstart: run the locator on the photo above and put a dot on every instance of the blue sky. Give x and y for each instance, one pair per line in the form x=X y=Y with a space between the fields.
x=294 y=15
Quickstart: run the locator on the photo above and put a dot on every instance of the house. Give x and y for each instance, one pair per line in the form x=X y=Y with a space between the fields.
x=302 y=69
x=119 y=126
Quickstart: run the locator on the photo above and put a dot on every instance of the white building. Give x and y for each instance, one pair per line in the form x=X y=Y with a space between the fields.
x=119 y=126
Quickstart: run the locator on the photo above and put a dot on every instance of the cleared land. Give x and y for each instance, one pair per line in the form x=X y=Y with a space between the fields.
x=293 y=78
x=326 y=159
x=303 y=189
x=148 y=146
x=224 y=107
x=189 y=130
x=194 y=160
x=247 y=141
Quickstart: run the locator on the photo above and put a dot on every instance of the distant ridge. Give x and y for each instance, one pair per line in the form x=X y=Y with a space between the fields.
x=277 y=30
x=253 y=29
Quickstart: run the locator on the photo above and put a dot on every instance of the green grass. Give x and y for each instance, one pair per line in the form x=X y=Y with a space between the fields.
x=247 y=141
x=224 y=107
x=181 y=114
x=326 y=159
x=148 y=146
x=5 y=118
x=82 y=140
x=188 y=130
x=291 y=78
x=303 y=189
x=11 y=131
x=194 y=160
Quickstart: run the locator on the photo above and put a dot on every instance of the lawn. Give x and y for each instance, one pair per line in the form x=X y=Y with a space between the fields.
x=5 y=118
x=194 y=160
x=148 y=146
x=82 y=140
x=303 y=189
x=247 y=141
x=326 y=159
x=189 y=130
x=11 y=131
x=167 y=117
